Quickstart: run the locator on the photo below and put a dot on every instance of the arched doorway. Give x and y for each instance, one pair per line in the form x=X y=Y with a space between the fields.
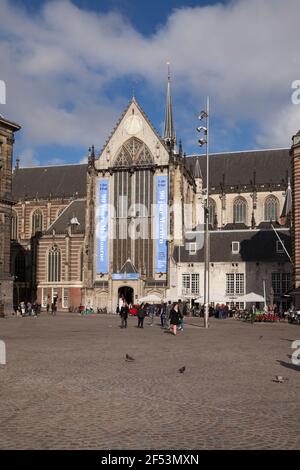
x=126 y=292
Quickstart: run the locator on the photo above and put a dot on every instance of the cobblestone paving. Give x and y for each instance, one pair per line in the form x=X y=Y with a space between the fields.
x=66 y=385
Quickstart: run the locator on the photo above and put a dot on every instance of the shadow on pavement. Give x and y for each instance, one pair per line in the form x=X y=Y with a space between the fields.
x=288 y=365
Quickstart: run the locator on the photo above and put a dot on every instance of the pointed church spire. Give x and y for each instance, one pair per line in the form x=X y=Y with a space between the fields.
x=169 y=132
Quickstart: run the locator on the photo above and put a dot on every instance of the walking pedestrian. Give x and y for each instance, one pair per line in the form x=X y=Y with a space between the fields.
x=53 y=309
x=124 y=314
x=151 y=313
x=141 y=315
x=162 y=313
x=174 y=318
x=168 y=311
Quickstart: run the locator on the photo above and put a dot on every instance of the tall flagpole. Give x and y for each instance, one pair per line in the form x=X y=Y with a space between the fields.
x=205 y=141
x=207 y=251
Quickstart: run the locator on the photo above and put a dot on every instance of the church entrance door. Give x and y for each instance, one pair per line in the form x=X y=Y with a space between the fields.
x=126 y=292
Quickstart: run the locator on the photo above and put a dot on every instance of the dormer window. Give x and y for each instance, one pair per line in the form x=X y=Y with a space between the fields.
x=191 y=248
x=235 y=247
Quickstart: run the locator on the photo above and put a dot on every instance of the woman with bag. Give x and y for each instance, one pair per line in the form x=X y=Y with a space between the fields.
x=175 y=318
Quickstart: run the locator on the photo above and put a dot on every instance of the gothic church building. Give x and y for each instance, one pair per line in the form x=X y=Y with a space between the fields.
x=126 y=222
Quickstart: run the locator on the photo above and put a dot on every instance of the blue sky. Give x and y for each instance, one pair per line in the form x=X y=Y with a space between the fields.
x=69 y=67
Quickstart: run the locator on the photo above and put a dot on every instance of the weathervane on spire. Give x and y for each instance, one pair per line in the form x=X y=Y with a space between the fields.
x=169 y=72
x=133 y=88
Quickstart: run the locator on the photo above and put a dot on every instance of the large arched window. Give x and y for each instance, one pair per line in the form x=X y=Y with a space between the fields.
x=271 y=209
x=133 y=190
x=133 y=152
x=54 y=264
x=14 y=226
x=37 y=221
x=239 y=210
x=212 y=212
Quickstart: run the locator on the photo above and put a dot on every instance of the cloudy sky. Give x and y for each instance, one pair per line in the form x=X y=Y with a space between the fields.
x=69 y=68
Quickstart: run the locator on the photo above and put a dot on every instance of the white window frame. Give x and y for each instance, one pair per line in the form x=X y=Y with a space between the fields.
x=230 y=284
x=235 y=283
x=54 y=290
x=240 y=283
x=238 y=305
x=195 y=283
x=186 y=283
x=44 y=297
x=191 y=247
x=65 y=297
x=235 y=251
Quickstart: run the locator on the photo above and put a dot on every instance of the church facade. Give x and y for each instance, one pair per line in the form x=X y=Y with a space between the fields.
x=130 y=222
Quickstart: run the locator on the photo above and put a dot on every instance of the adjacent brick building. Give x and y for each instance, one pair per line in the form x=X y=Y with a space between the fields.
x=7 y=130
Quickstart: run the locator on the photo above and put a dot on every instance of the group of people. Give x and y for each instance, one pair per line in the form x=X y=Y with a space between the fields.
x=32 y=309
x=27 y=309
x=171 y=314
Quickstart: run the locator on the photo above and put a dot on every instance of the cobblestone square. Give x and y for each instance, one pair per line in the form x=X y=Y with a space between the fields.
x=66 y=385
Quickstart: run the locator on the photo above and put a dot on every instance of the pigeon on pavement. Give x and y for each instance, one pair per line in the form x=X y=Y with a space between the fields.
x=280 y=380
x=129 y=358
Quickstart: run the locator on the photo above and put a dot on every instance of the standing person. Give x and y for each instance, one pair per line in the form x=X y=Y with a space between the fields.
x=141 y=315
x=28 y=308
x=162 y=313
x=53 y=308
x=181 y=318
x=168 y=311
x=124 y=314
x=221 y=312
x=23 y=308
x=180 y=307
x=151 y=313
x=175 y=318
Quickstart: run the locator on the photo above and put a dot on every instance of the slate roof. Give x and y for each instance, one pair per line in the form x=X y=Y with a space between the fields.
x=240 y=170
x=76 y=209
x=235 y=170
x=56 y=181
x=255 y=245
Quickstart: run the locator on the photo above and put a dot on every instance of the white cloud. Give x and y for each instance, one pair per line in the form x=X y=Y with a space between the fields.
x=28 y=158
x=58 y=62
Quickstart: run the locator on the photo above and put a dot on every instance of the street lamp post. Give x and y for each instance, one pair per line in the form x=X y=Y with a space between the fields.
x=205 y=141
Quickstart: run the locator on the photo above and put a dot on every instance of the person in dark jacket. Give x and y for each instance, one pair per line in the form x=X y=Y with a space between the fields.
x=162 y=314
x=141 y=315
x=175 y=318
x=124 y=315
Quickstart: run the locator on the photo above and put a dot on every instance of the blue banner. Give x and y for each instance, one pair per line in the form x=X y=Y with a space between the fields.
x=102 y=232
x=125 y=276
x=161 y=224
